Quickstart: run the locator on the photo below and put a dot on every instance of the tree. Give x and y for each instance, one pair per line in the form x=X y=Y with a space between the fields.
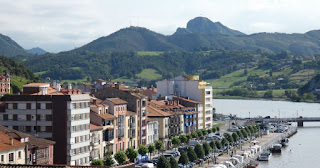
x=194 y=135
x=163 y=162
x=213 y=145
x=143 y=150
x=189 y=136
x=207 y=149
x=175 y=141
x=97 y=162
x=159 y=146
x=213 y=129
x=224 y=141
x=199 y=151
x=204 y=132
x=199 y=133
x=151 y=149
x=218 y=144
x=108 y=160
x=173 y=162
x=235 y=136
x=229 y=138
x=183 y=138
x=218 y=129
x=131 y=154
x=244 y=133
x=245 y=72
x=268 y=94
x=209 y=131
x=183 y=158
x=192 y=154
x=239 y=134
x=120 y=157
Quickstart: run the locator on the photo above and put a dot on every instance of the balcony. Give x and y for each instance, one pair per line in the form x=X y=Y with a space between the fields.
x=94 y=143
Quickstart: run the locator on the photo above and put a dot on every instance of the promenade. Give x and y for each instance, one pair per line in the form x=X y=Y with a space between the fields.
x=265 y=142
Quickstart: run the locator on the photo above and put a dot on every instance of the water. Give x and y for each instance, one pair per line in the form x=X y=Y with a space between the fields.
x=303 y=149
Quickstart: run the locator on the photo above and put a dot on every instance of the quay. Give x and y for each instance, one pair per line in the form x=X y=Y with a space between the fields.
x=265 y=141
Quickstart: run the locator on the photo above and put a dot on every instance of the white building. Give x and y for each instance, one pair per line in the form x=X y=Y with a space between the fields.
x=152 y=131
x=192 y=88
x=55 y=113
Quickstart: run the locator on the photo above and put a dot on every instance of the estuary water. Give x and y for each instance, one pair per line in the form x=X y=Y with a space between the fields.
x=304 y=147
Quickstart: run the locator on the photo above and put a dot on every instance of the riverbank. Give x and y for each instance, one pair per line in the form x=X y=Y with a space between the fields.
x=266 y=141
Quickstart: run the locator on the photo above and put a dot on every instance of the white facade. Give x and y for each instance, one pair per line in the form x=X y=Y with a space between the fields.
x=152 y=132
x=193 y=89
x=13 y=156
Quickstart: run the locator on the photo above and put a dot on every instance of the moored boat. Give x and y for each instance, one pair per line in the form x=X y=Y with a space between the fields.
x=284 y=141
x=264 y=156
x=276 y=148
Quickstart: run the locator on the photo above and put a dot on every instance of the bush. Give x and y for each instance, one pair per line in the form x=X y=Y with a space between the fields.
x=199 y=151
x=163 y=162
x=120 y=157
x=97 y=162
x=183 y=158
x=192 y=154
x=173 y=162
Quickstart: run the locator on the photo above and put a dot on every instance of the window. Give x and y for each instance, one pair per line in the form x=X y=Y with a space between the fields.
x=48 y=105
x=74 y=105
x=28 y=128
x=48 y=128
x=28 y=117
x=48 y=117
x=28 y=105
x=19 y=154
x=11 y=157
x=5 y=117
x=15 y=117
x=38 y=105
x=15 y=105
x=2 y=158
x=208 y=92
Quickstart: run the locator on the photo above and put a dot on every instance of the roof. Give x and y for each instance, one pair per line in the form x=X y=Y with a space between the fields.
x=185 y=99
x=105 y=116
x=130 y=113
x=37 y=85
x=94 y=127
x=154 y=112
x=87 y=84
x=117 y=101
x=5 y=143
x=150 y=119
x=32 y=141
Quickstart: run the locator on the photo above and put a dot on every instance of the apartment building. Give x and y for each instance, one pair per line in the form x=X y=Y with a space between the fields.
x=193 y=88
x=163 y=119
x=55 y=113
x=99 y=116
x=131 y=129
x=37 y=151
x=118 y=108
x=4 y=84
x=96 y=146
x=152 y=131
x=136 y=102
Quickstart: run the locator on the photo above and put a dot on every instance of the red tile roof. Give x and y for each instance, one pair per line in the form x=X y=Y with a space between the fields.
x=5 y=143
x=94 y=127
x=117 y=101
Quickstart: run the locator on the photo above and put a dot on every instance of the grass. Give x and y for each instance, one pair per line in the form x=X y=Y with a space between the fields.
x=17 y=81
x=149 y=53
x=123 y=79
x=75 y=68
x=39 y=73
x=225 y=82
x=84 y=80
x=150 y=74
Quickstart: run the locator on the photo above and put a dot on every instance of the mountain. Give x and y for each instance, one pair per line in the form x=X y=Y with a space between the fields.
x=130 y=39
x=204 y=25
x=36 y=51
x=203 y=33
x=311 y=87
x=10 y=48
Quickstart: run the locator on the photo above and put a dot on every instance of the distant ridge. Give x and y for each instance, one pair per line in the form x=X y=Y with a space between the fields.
x=10 y=48
x=36 y=51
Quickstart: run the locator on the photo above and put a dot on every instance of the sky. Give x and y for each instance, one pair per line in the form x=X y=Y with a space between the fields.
x=61 y=25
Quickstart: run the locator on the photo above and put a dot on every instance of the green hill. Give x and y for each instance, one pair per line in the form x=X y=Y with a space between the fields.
x=19 y=74
x=9 y=47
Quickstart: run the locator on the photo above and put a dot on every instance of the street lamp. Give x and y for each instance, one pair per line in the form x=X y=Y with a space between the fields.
x=249 y=115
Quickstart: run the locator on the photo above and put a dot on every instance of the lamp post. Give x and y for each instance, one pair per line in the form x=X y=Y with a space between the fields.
x=249 y=115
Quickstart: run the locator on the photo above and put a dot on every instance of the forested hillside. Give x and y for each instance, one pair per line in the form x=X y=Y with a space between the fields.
x=19 y=74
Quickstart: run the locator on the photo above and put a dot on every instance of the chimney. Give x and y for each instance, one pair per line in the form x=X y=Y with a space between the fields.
x=11 y=139
x=58 y=87
x=69 y=86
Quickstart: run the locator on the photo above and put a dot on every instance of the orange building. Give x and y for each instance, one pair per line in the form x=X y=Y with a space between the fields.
x=4 y=84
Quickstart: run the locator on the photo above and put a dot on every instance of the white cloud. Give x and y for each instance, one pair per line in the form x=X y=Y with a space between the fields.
x=63 y=25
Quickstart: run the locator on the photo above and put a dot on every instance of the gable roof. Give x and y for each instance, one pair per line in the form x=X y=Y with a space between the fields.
x=117 y=101
x=5 y=143
x=32 y=141
x=154 y=112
